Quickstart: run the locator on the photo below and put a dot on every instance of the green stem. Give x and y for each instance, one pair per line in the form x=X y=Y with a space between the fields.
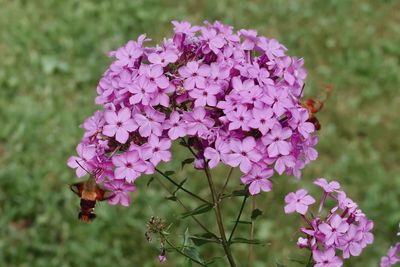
x=226 y=184
x=182 y=188
x=250 y=257
x=218 y=215
x=237 y=219
x=182 y=253
x=187 y=209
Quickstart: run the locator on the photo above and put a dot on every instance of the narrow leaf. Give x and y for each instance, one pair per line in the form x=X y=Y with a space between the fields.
x=169 y=173
x=172 y=198
x=202 y=239
x=199 y=210
x=193 y=253
x=187 y=161
x=245 y=241
x=150 y=180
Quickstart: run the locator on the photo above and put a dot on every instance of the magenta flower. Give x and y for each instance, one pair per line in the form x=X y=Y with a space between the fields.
x=262 y=120
x=298 y=202
x=142 y=91
x=239 y=118
x=197 y=121
x=220 y=151
x=258 y=180
x=157 y=150
x=350 y=242
x=94 y=124
x=86 y=153
x=119 y=124
x=127 y=54
x=243 y=154
x=151 y=123
x=276 y=141
x=163 y=58
x=176 y=127
x=120 y=191
x=155 y=75
x=299 y=120
x=336 y=228
x=195 y=75
x=205 y=96
x=328 y=187
x=392 y=257
x=279 y=100
x=326 y=258
x=129 y=166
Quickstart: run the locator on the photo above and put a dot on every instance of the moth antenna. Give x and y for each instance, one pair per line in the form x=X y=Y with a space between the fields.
x=83 y=167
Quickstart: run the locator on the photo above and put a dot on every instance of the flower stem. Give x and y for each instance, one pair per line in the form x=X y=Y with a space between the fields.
x=250 y=257
x=187 y=209
x=226 y=184
x=237 y=219
x=183 y=253
x=218 y=215
x=182 y=188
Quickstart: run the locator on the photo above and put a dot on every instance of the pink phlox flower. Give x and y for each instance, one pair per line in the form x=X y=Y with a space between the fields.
x=197 y=121
x=205 y=96
x=276 y=141
x=328 y=187
x=175 y=126
x=119 y=124
x=93 y=125
x=164 y=58
x=366 y=226
x=327 y=258
x=300 y=122
x=250 y=39
x=258 y=180
x=278 y=99
x=214 y=40
x=157 y=149
x=214 y=155
x=141 y=90
x=243 y=154
x=129 y=166
x=161 y=97
x=86 y=153
x=128 y=54
x=284 y=162
x=155 y=75
x=195 y=75
x=392 y=257
x=150 y=123
x=239 y=118
x=120 y=191
x=333 y=230
x=271 y=47
x=262 y=120
x=298 y=202
x=350 y=242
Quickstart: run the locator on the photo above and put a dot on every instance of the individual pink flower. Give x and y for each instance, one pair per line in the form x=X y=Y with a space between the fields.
x=243 y=154
x=119 y=124
x=150 y=123
x=163 y=58
x=350 y=242
x=276 y=141
x=328 y=187
x=205 y=96
x=336 y=228
x=298 y=202
x=258 y=180
x=129 y=166
x=262 y=120
x=127 y=54
x=142 y=91
x=86 y=153
x=214 y=155
x=157 y=150
x=197 y=121
x=120 y=191
x=326 y=258
x=94 y=124
x=175 y=126
x=195 y=75
x=279 y=100
x=155 y=75
x=239 y=118
x=392 y=256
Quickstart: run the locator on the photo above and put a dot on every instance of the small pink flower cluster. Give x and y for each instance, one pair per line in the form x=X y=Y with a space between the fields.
x=344 y=228
x=392 y=257
x=234 y=95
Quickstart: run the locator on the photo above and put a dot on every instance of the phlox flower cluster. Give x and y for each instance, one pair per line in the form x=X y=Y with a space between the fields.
x=234 y=96
x=339 y=233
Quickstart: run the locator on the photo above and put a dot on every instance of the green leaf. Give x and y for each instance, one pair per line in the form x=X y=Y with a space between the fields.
x=187 y=161
x=202 y=239
x=150 y=181
x=255 y=213
x=172 y=198
x=245 y=241
x=199 y=210
x=180 y=185
x=240 y=193
x=169 y=173
x=193 y=253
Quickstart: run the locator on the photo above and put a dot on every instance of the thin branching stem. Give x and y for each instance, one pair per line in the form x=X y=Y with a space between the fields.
x=226 y=184
x=187 y=209
x=238 y=218
x=182 y=188
x=250 y=257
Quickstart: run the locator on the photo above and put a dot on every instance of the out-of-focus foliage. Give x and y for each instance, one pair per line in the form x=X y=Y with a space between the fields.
x=52 y=53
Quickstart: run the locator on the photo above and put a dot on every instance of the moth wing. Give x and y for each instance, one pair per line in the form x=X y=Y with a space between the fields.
x=77 y=188
x=102 y=194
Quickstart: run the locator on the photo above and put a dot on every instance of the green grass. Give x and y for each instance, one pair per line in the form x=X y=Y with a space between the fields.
x=52 y=53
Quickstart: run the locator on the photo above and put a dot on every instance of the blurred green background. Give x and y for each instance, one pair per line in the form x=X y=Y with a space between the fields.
x=52 y=54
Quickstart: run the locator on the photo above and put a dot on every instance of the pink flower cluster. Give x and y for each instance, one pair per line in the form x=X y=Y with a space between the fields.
x=234 y=95
x=392 y=256
x=343 y=228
